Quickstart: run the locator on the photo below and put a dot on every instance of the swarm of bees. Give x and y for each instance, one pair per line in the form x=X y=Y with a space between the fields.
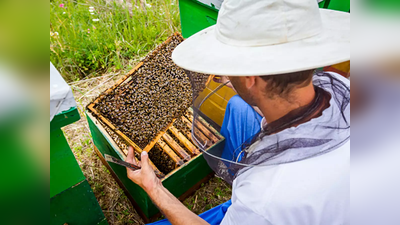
x=148 y=101
x=198 y=82
x=164 y=163
x=182 y=126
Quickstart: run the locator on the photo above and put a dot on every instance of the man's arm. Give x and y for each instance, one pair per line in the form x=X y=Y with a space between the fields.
x=168 y=204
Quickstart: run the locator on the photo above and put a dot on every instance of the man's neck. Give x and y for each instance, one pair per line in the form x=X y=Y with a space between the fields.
x=275 y=108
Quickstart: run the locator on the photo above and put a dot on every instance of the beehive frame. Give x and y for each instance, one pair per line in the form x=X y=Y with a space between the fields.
x=172 y=148
x=118 y=83
x=182 y=182
x=204 y=128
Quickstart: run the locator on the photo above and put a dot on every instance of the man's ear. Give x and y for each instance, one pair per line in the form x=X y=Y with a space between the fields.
x=250 y=81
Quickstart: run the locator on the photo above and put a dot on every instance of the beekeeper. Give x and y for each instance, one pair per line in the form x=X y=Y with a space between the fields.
x=294 y=166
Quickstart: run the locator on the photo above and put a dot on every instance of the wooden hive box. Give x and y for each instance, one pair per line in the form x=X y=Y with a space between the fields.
x=173 y=143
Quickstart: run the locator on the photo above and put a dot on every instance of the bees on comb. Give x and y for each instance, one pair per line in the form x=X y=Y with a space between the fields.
x=151 y=98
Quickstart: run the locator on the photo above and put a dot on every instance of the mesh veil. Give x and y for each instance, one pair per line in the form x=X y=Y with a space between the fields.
x=284 y=143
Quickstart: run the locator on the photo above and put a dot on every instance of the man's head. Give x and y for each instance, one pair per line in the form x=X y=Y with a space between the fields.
x=255 y=88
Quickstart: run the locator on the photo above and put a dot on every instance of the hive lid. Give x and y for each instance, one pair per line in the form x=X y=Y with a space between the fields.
x=61 y=97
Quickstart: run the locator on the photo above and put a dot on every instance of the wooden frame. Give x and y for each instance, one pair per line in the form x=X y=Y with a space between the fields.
x=91 y=108
x=176 y=144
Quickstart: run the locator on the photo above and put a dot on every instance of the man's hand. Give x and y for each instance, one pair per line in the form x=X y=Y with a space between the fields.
x=145 y=177
x=168 y=204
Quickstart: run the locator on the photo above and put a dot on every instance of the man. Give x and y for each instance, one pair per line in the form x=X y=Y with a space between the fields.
x=294 y=167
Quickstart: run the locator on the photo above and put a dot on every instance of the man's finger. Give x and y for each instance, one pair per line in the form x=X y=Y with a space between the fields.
x=145 y=161
x=130 y=158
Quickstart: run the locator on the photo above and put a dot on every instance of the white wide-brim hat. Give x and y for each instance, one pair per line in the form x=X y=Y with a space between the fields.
x=267 y=37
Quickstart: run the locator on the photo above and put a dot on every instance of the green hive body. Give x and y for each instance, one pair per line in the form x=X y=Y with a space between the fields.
x=71 y=199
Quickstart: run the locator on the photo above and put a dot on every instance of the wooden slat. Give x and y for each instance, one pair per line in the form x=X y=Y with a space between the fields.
x=201 y=132
x=184 y=141
x=189 y=116
x=154 y=141
x=202 y=138
x=203 y=129
x=199 y=135
x=188 y=123
x=170 y=152
x=103 y=130
x=206 y=132
x=176 y=147
x=204 y=122
x=188 y=135
x=211 y=128
x=115 y=146
x=111 y=126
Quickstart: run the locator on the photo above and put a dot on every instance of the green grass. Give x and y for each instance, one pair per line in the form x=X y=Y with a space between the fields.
x=81 y=46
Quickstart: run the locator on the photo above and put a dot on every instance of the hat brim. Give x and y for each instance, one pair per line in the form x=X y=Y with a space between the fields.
x=204 y=53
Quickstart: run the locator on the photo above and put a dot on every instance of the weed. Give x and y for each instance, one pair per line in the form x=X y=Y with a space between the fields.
x=126 y=212
x=218 y=191
x=110 y=36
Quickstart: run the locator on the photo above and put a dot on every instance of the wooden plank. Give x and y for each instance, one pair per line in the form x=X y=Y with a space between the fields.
x=107 y=135
x=170 y=152
x=188 y=135
x=199 y=135
x=201 y=127
x=184 y=141
x=158 y=137
x=204 y=122
x=202 y=138
x=176 y=147
x=189 y=116
x=211 y=128
x=206 y=132
x=112 y=127
x=104 y=132
x=188 y=123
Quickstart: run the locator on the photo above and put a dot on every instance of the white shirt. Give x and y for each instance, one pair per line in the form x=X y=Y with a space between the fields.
x=312 y=191
x=308 y=192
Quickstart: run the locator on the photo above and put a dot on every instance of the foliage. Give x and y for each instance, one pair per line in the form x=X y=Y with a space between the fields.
x=89 y=37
